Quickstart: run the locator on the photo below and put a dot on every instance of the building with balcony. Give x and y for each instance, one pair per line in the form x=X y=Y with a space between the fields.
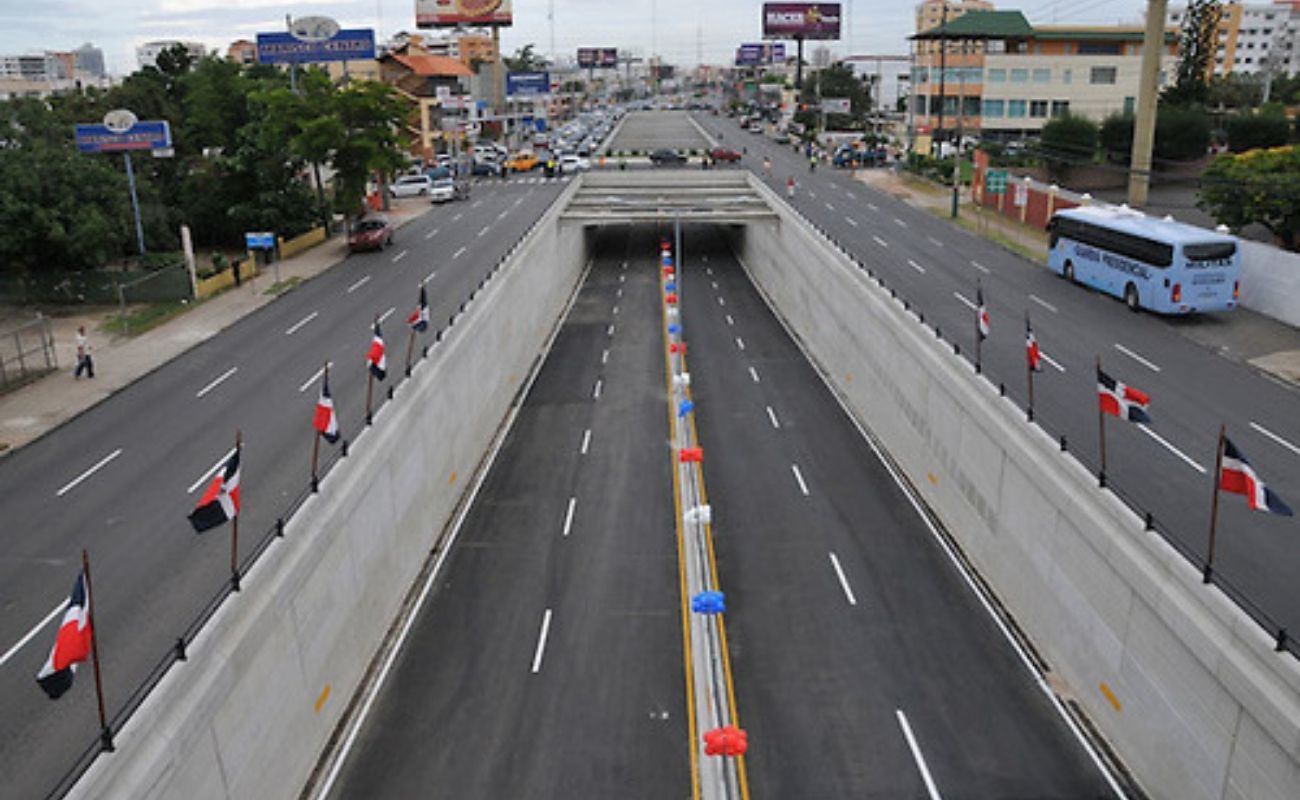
x=146 y=55
x=1251 y=39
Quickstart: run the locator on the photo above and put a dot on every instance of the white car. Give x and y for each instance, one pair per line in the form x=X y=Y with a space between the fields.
x=411 y=186
x=572 y=163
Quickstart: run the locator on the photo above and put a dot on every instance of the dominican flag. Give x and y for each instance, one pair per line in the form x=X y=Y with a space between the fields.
x=1032 y=354
x=325 y=421
x=1121 y=400
x=419 y=318
x=982 y=313
x=220 y=503
x=1238 y=477
x=375 y=355
x=72 y=644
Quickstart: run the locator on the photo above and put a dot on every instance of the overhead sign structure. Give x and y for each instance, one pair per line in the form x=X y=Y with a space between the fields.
x=286 y=48
x=750 y=55
x=801 y=20
x=113 y=137
x=528 y=84
x=604 y=57
x=470 y=13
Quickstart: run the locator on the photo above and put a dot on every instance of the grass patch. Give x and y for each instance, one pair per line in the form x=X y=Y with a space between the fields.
x=146 y=317
x=991 y=230
x=280 y=287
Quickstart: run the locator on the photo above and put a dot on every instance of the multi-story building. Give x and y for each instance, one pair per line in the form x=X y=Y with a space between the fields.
x=242 y=52
x=146 y=55
x=1253 y=38
x=933 y=13
x=41 y=74
x=1006 y=78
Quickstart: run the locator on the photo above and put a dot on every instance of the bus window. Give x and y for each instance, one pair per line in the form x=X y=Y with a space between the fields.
x=1210 y=251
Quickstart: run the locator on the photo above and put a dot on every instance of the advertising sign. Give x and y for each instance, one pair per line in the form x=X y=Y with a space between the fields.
x=605 y=57
x=749 y=55
x=471 y=13
x=259 y=240
x=143 y=135
x=285 y=48
x=528 y=84
x=801 y=20
x=837 y=105
x=314 y=29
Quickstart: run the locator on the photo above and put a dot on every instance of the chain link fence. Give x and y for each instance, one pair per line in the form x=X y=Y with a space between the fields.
x=26 y=351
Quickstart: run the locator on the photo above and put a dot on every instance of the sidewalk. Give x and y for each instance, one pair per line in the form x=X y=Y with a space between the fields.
x=31 y=411
x=1243 y=335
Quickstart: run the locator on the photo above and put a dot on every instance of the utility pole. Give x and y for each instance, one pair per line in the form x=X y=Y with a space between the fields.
x=943 y=80
x=1144 y=126
x=956 y=153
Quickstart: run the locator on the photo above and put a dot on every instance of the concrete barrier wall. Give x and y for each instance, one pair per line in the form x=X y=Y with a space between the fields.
x=269 y=677
x=1203 y=707
x=1270 y=281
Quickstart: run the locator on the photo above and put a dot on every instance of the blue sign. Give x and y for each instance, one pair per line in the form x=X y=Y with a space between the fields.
x=528 y=84
x=259 y=241
x=144 y=135
x=285 y=48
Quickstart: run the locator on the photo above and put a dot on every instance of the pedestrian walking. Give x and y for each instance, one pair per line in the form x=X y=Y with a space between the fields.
x=767 y=167
x=789 y=187
x=84 y=361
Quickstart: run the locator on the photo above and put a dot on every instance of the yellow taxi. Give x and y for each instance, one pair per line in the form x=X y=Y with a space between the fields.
x=522 y=162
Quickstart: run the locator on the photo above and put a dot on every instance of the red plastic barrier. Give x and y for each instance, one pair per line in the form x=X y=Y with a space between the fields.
x=691 y=455
x=677 y=347
x=671 y=299
x=728 y=741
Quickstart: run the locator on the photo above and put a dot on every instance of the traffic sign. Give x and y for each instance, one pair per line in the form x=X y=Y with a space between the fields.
x=143 y=135
x=996 y=181
x=528 y=84
x=286 y=48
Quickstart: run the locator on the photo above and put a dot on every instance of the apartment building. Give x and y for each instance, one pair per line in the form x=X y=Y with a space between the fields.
x=146 y=55
x=933 y=13
x=1003 y=78
x=1254 y=38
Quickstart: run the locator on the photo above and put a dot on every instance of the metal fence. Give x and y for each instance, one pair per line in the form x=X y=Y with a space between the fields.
x=27 y=351
x=96 y=287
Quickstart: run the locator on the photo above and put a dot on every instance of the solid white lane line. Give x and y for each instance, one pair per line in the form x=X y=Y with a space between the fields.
x=216 y=382
x=917 y=756
x=963 y=300
x=541 y=642
x=916 y=266
x=935 y=241
x=72 y=484
x=387 y=314
x=730 y=321
x=400 y=256
x=456 y=218
x=844 y=582
x=798 y=476
x=458 y=253
x=1186 y=459
x=568 y=515
x=880 y=241
x=604 y=356
x=771 y=415
x=482 y=232
x=977 y=265
x=586 y=442
x=1144 y=362
x=32 y=633
x=851 y=221
x=595 y=393
x=1043 y=303
x=610 y=330
x=1265 y=431
x=900 y=223
x=210 y=471
x=315 y=376
x=429 y=277
x=431 y=234
x=297 y=325
x=740 y=343
x=830 y=207
x=1051 y=361
x=358 y=284
x=753 y=374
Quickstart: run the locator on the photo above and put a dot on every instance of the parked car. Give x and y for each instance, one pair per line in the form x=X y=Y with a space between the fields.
x=373 y=232
x=522 y=162
x=447 y=189
x=411 y=186
x=664 y=158
x=724 y=154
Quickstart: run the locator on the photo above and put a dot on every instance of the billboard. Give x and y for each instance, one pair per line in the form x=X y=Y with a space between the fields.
x=471 y=13
x=749 y=55
x=801 y=20
x=143 y=135
x=528 y=84
x=837 y=105
x=345 y=45
x=598 y=57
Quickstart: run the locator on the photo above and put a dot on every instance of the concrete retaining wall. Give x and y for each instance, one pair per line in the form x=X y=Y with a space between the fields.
x=268 y=678
x=1203 y=707
x=1270 y=281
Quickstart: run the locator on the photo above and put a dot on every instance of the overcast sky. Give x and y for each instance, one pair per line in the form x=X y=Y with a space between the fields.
x=677 y=29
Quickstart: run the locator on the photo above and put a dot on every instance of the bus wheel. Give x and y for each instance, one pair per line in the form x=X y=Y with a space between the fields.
x=1069 y=271
x=1131 y=297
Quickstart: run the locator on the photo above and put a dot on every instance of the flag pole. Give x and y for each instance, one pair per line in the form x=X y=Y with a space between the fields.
x=979 y=334
x=315 y=440
x=1101 y=434
x=370 y=385
x=234 y=526
x=1029 y=370
x=1214 y=505
x=410 y=346
x=105 y=732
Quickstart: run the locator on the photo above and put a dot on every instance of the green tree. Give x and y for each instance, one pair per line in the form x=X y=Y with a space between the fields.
x=1196 y=47
x=525 y=60
x=1068 y=140
x=836 y=81
x=1267 y=127
x=1259 y=186
x=1234 y=91
x=370 y=114
x=1182 y=134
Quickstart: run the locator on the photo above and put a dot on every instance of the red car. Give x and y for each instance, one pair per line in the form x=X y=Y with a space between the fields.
x=724 y=154
x=374 y=232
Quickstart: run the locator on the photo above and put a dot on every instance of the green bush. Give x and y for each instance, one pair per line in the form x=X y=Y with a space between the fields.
x=1066 y=141
x=1182 y=134
x=1116 y=136
x=1252 y=131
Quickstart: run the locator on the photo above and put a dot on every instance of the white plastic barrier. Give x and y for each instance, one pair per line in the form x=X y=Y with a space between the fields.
x=268 y=678
x=1270 y=281
x=1203 y=707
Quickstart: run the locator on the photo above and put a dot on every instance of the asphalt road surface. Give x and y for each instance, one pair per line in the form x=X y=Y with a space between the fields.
x=1164 y=469
x=155 y=440
x=548 y=661
x=647 y=131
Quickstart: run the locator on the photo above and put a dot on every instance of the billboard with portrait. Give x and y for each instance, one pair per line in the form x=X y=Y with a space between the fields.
x=470 y=13
x=801 y=20
x=604 y=57
x=751 y=55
